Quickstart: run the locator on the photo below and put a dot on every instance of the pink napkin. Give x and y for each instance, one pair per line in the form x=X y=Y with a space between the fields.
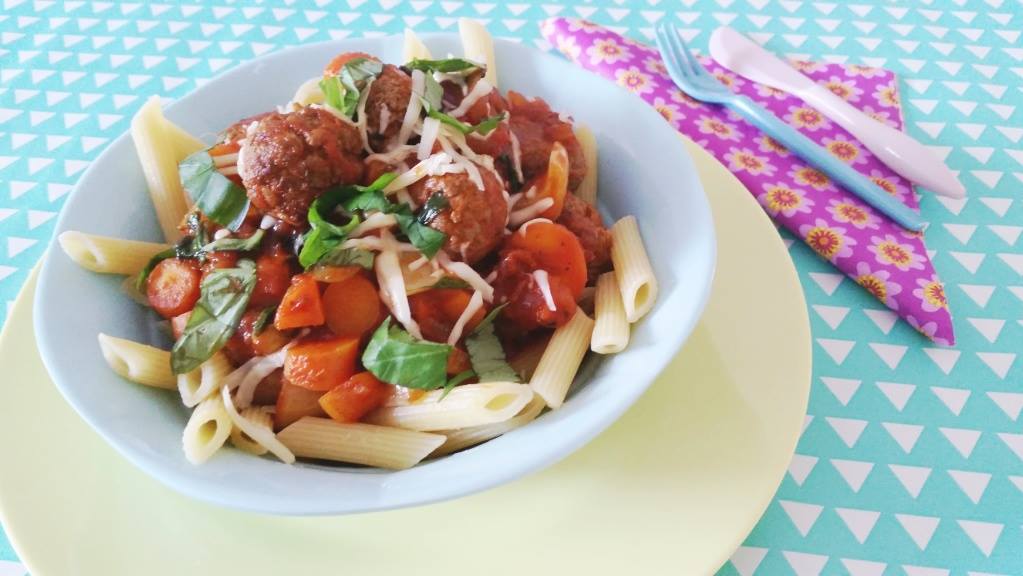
x=888 y=261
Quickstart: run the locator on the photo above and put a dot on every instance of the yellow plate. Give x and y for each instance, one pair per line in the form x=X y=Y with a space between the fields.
x=675 y=485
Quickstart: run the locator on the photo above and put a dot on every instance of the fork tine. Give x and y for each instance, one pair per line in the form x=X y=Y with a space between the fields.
x=698 y=68
x=667 y=36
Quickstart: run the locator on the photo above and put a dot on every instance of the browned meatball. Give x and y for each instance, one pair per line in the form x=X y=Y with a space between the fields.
x=236 y=131
x=537 y=128
x=291 y=159
x=391 y=92
x=474 y=220
x=584 y=221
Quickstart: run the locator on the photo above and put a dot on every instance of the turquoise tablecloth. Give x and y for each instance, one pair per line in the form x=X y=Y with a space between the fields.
x=912 y=457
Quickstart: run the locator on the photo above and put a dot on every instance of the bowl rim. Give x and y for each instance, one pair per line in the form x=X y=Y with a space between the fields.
x=555 y=450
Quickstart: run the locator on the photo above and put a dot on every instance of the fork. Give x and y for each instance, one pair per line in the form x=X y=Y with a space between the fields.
x=689 y=75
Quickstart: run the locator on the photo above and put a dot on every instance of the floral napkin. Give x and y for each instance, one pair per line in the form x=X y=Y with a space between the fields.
x=888 y=261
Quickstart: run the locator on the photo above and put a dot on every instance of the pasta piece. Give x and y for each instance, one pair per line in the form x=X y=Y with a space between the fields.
x=309 y=93
x=255 y=430
x=197 y=385
x=468 y=405
x=477 y=45
x=610 y=328
x=380 y=446
x=207 y=430
x=473 y=435
x=561 y=359
x=159 y=158
x=108 y=255
x=632 y=267
x=587 y=189
x=139 y=363
x=184 y=143
x=413 y=48
x=259 y=417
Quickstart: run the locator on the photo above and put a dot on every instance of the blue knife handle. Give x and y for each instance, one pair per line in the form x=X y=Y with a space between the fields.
x=820 y=158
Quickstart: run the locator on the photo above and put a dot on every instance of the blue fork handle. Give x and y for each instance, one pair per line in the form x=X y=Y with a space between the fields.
x=821 y=159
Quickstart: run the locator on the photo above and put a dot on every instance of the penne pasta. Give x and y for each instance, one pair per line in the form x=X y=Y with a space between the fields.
x=207 y=430
x=139 y=363
x=635 y=276
x=197 y=385
x=366 y=444
x=587 y=189
x=467 y=405
x=561 y=359
x=108 y=255
x=260 y=418
x=184 y=143
x=413 y=48
x=473 y=435
x=259 y=434
x=309 y=93
x=610 y=328
x=159 y=158
x=478 y=46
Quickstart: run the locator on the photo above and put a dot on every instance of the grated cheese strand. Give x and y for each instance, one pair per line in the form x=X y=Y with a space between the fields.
x=516 y=157
x=543 y=282
x=372 y=222
x=467 y=274
x=415 y=106
x=530 y=212
x=475 y=305
x=424 y=168
x=361 y=112
x=263 y=436
x=392 y=284
x=431 y=129
x=481 y=89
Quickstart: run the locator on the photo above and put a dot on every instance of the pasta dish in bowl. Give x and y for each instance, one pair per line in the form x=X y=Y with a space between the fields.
x=402 y=267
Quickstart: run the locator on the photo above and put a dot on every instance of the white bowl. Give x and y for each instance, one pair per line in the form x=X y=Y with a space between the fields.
x=644 y=171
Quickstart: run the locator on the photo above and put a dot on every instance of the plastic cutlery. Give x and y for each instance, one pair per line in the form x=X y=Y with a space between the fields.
x=689 y=75
x=898 y=150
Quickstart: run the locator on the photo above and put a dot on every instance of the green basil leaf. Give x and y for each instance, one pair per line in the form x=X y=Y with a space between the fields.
x=219 y=199
x=348 y=257
x=433 y=94
x=263 y=320
x=486 y=353
x=446 y=66
x=456 y=380
x=434 y=204
x=325 y=237
x=425 y=239
x=395 y=357
x=449 y=282
x=484 y=127
x=488 y=124
x=236 y=244
x=224 y=295
x=369 y=200
x=342 y=91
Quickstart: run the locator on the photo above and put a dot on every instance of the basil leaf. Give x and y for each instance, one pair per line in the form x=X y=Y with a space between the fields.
x=325 y=237
x=433 y=94
x=348 y=257
x=220 y=199
x=488 y=124
x=395 y=357
x=456 y=380
x=449 y=282
x=342 y=91
x=368 y=201
x=434 y=204
x=190 y=246
x=486 y=353
x=425 y=239
x=484 y=127
x=446 y=66
x=236 y=244
x=265 y=317
x=224 y=294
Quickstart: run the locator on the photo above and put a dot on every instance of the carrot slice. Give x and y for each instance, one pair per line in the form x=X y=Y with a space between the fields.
x=355 y=397
x=321 y=364
x=301 y=305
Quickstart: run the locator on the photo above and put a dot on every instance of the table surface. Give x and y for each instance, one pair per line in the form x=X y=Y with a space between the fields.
x=911 y=461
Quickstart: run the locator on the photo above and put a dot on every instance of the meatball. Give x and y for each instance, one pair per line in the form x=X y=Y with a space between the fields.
x=237 y=131
x=386 y=104
x=537 y=128
x=495 y=143
x=584 y=221
x=291 y=159
x=474 y=219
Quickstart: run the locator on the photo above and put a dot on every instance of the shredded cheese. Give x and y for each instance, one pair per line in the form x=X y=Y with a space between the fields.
x=392 y=284
x=415 y=106
x=228 y=170
x=424 y=168
x=225 y=160
x=222 y=233
x=267 y=222
x=335 y=113
x=543 y=282
x=481 y=89
x=467 y=165
x=525 y=225
x=262 y=436
x=530 y=212
x=431 y=129
x=361 y=113
x=467 y=274
x=404 y=197
x=393 y=155
x=262 y=368
x=475 y=305
x=516 y=156
x=374 y=221
x=384 y=116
